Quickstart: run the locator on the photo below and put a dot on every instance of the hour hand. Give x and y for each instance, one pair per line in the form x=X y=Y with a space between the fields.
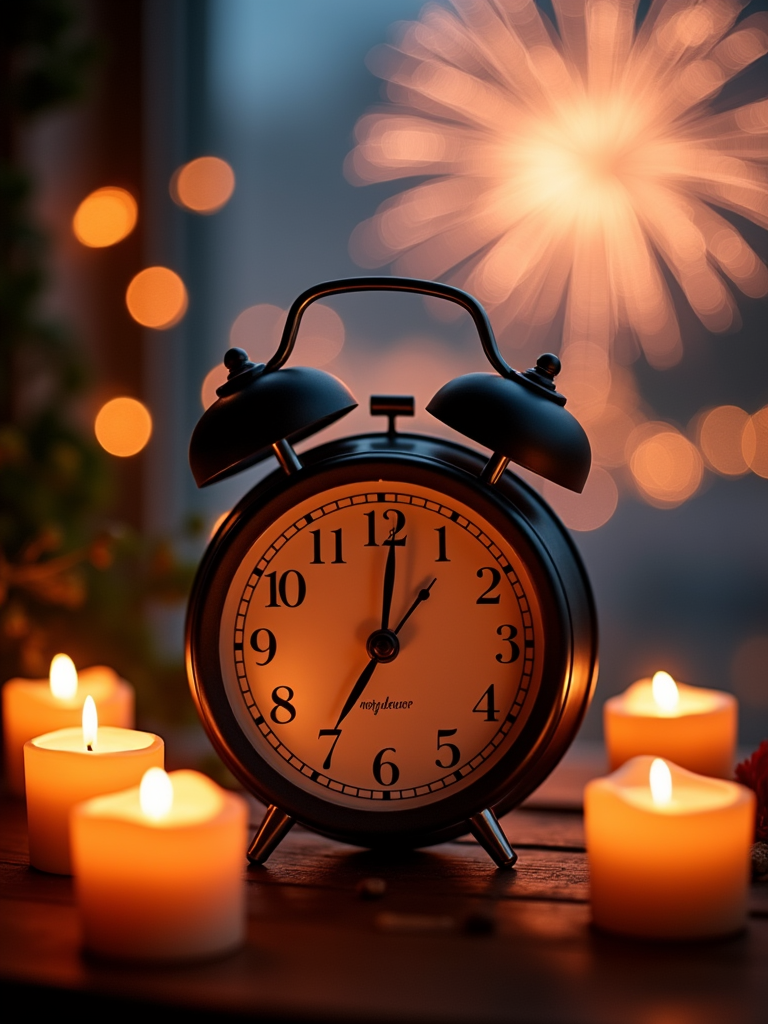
x=422 y=595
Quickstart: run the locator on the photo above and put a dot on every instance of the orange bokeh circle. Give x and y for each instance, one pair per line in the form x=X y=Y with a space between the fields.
x=321 y=337
x=105 y=217
x=203 y=185
x=589 y=510
x=608 y=435
x=666 y=467
x=123 y=426
x=212 y=380
x=156 y=298
x=754 y=442
x=257 y=329
x=720 y=439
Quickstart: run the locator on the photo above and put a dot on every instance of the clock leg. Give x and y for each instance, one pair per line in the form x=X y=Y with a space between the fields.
x=488 y=832
x=273 y=829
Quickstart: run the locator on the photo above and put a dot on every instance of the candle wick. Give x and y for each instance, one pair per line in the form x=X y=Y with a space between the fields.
x=89 y=746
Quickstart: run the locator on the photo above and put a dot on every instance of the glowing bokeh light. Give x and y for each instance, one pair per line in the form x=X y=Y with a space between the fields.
x=203 y=185
x=105 y=217
x=257 y=330
x=156 y=794
x=157 y=298
x=320 y=339
x=666 y=467
x=123 y=426
x=321 y=335
x=720 y=434
x=589 y=510
x=605 y=400
x=660 y=781
x=608 y=435
x=212 y=380
x=567 y=167
x=418 y=365
x=754 y=442
x=586 y=379
x=62 y=677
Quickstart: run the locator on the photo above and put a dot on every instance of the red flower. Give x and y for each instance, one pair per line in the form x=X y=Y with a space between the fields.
x=754 y=773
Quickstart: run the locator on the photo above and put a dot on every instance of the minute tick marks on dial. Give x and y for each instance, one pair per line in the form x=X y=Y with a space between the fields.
x=452 y=659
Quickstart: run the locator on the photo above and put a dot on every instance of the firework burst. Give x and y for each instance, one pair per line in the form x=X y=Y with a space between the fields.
x=568 y=165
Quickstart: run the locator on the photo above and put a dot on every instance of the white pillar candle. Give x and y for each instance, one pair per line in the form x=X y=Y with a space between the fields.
x=164 y=884
x=32 y=707
x=61 y=771
x=693 y=727
x=670 y=861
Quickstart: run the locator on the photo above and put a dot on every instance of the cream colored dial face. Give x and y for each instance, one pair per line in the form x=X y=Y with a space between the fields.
x=302 y=637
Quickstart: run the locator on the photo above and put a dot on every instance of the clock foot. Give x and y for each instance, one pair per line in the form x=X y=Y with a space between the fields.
x=273 y=829
x=488 y=832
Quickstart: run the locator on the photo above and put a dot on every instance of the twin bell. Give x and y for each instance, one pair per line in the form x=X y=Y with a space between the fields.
x=264 y=409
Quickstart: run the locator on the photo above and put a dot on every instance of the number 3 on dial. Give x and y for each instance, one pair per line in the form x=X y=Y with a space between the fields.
x=367 y=616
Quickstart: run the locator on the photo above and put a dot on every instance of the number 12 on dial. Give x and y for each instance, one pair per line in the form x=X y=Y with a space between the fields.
x=382 y=645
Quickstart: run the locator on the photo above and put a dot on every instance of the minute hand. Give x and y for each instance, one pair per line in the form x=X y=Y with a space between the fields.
x=357 y=689
x=365 y=675
x=389 y=583
x=386 y=605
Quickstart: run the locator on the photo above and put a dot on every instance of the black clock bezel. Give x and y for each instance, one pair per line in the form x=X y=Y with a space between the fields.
x=562 y=590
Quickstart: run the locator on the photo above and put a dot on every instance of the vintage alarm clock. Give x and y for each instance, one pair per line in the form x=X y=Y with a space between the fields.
x=391 y=639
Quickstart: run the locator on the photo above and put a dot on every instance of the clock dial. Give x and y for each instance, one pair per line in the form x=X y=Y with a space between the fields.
x=381 y=647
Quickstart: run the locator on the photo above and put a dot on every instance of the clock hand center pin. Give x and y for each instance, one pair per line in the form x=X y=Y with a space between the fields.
x=383 y=644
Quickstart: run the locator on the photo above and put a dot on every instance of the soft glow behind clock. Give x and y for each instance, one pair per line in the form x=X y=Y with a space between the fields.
x=572 y=167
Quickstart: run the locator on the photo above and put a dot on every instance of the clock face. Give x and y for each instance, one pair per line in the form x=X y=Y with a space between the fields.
x=381 y=648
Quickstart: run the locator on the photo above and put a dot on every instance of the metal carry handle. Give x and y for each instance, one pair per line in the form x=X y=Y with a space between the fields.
x=391 y=284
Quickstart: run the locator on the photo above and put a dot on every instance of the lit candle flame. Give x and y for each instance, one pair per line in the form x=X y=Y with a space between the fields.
x=90 y=723
x=156 y=794
x=660 y=781
x=63 y=677
x=665 y=691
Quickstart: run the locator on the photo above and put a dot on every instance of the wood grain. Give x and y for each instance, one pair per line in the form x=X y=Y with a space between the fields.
x=450 y=940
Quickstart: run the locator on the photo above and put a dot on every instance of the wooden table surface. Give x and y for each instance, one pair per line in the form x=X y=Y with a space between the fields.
x=451 y=940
